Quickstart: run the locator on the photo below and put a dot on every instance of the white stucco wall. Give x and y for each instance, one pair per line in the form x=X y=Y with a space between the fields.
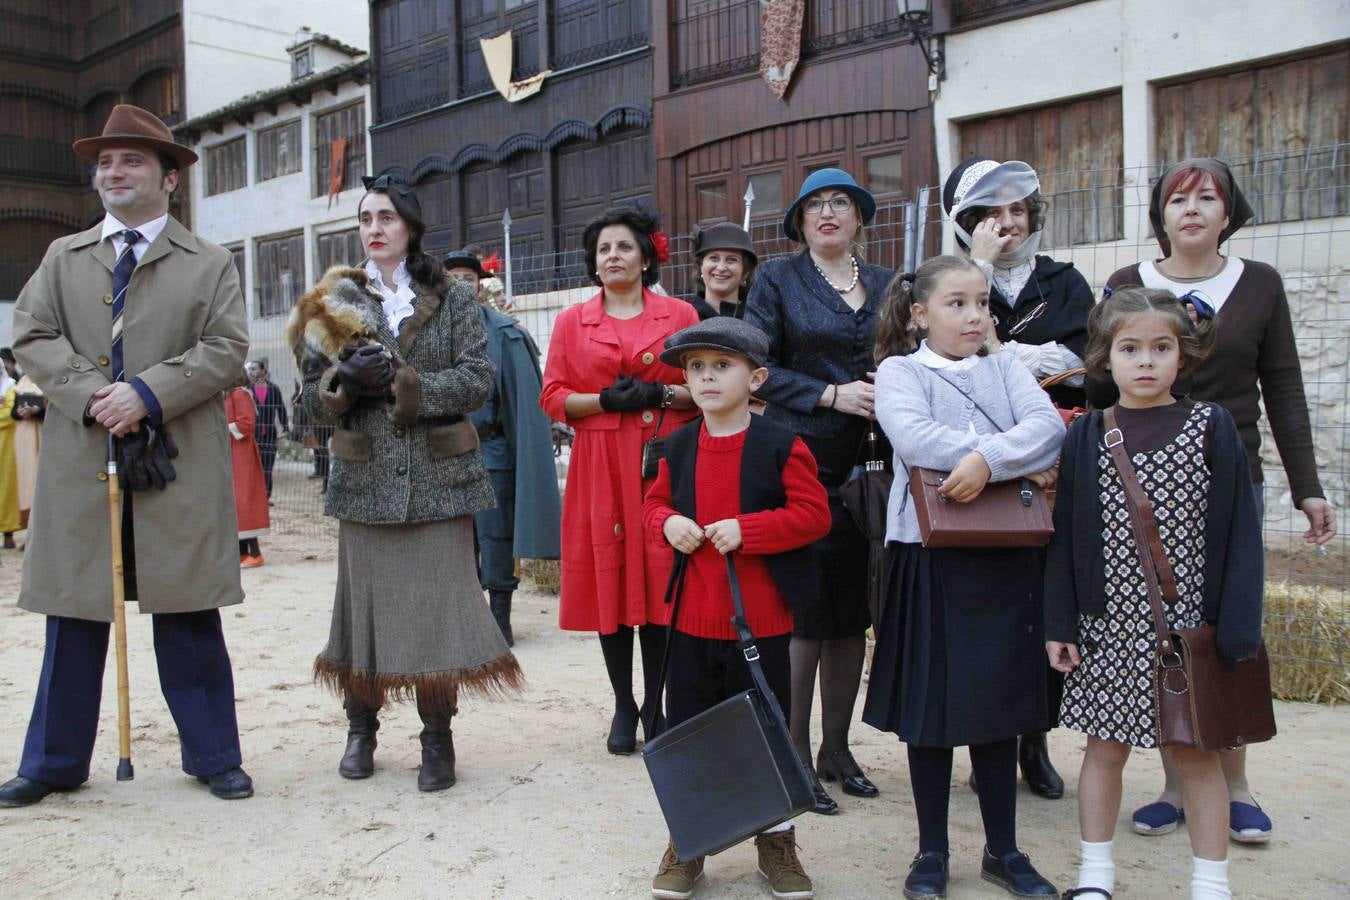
x=1127 y=45
x=236 y=47
x=276 y=206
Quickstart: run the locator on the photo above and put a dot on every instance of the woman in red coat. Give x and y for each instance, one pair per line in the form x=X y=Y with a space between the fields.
x=250 y=487
x=605 y=379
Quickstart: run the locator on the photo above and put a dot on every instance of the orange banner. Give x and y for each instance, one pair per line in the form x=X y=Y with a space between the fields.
x=337 y=157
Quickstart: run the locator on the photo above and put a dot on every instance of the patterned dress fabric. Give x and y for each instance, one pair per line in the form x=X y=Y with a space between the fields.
x=1111 y=695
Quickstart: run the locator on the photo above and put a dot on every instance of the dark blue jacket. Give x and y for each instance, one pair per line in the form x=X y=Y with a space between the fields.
x=815 y=339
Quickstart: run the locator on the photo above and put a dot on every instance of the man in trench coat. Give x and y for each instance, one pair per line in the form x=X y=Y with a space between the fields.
x=184 y=337
x=517 y=443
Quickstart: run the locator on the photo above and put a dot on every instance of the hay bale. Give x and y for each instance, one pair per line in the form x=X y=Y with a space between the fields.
x=1306 y=632
x=544 y=575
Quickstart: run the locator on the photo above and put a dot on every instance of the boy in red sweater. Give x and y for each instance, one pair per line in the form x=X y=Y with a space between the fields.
x=732 y=481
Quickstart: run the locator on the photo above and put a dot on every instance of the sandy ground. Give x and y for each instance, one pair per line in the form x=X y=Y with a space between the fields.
x=540 y=810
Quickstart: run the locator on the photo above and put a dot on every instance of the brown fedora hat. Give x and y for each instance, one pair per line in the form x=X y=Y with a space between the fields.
x=132 y=126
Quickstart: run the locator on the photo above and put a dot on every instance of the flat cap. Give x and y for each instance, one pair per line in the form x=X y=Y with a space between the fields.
x=723 y=333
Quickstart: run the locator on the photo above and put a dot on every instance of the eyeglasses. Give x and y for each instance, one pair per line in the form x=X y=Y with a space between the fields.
x=1026 y=320
x=842 y=203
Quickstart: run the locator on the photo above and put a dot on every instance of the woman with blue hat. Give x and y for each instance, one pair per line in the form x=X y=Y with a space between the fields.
x=820 y=310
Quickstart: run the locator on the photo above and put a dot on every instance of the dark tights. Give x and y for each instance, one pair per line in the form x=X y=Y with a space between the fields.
x=618 y=651
x=995 y=765
x=249 y=547
x=841 y=663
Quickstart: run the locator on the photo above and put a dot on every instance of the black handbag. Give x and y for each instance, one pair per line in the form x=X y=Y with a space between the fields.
x=731 y=771
x=654 y=451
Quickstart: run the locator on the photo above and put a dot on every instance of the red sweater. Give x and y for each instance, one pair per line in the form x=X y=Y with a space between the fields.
x=706 y=609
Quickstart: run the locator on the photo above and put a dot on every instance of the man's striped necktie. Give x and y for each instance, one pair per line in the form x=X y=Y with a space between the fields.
x=126 y=264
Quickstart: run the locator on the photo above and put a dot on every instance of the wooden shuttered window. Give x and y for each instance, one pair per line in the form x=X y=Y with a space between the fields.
x=341 y=248
x=350 y=123
x=1075 y=148
x=237 y=255
x=226 y=167
x=280 y=271
x=1281 y=126
x=279 y=150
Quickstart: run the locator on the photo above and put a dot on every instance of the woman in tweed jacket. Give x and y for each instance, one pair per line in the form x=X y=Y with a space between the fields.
x=394 y=354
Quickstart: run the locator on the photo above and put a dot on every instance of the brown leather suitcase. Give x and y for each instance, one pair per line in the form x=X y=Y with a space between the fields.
x=1006 y=514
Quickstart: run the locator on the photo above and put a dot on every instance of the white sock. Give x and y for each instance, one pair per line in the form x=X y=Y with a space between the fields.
x=1097 y=869
x=781 y=826
x=1209 y=879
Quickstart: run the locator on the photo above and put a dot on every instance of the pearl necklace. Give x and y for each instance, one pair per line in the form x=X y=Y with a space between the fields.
x=853 y=261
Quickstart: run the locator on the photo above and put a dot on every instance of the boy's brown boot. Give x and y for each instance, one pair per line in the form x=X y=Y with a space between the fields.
x=675 y=880
x=779 y=865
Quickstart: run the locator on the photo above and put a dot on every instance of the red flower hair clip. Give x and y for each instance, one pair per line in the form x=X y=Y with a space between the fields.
x=492 y=264
x=661 y=244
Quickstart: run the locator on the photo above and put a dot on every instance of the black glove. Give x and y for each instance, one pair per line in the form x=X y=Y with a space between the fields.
x=365 y=371
x=159 y=450
x=627 y=394
x=143 y=458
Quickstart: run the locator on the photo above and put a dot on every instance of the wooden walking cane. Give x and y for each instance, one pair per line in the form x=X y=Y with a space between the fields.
x=125 y=772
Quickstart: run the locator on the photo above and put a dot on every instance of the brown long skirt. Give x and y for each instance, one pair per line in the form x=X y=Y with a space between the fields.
x=409 y=618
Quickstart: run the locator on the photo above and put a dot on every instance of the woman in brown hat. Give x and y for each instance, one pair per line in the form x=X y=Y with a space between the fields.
x=1196 y=205
x=724 y=268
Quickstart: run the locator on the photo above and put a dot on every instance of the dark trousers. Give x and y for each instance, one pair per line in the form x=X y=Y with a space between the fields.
x=705 y=671
x=194 y=675
x=494 y=530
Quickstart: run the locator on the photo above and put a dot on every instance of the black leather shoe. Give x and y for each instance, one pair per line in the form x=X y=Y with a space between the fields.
x=1014 y=873
x=1094 y=893
x=1037 y=771
x=842 y=767
x=622 y=738
x=927 y=876
x=358 y=760
x=438 y=761
x=21 y=791
x=232 y=784
x=825 y=805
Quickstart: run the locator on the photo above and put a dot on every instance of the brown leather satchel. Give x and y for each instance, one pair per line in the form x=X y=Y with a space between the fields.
x=1006 y=514
x=1203 y=702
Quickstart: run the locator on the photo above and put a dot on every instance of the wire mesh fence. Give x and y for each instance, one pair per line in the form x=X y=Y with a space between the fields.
x=1308 y=621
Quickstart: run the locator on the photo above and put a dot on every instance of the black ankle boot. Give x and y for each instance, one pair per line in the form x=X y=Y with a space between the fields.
x=1039 y=773
x=622 y=738
x=438 y=752
x=500 y=604
x=358 y=760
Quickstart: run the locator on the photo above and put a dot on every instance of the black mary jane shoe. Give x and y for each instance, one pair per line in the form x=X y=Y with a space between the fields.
x=1015 y=874
x=1033 y=757
x=622 y=739
x=927 y=876
x=1085 y=892
x=24 y=791
x=842 y=767
x=824 y=803
x=232 y=784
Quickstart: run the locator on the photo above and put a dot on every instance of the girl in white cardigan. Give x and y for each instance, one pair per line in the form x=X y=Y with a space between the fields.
x=959 y=656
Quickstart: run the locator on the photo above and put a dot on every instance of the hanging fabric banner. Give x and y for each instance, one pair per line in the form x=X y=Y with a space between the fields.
x=780 y=43
x=337 y=156
x=498 y=54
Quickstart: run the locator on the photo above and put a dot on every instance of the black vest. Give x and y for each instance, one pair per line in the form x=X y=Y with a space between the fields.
x=768 y=445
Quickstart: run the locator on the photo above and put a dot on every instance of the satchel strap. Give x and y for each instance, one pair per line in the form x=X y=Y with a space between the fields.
x=747 y=642
x=1158 y=575
x=674 y=591
x=973 y=402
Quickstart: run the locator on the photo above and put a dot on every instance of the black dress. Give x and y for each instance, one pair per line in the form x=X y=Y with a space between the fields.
x=816 y=339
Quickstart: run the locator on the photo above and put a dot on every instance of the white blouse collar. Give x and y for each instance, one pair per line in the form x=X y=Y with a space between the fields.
x=934 y=360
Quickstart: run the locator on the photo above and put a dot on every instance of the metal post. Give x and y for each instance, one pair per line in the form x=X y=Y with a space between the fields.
x=506 y=241
x=925 y=202
x=907 y=260
x=749 y=199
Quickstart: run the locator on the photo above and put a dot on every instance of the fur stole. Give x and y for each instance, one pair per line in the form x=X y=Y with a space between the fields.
x=334 y=314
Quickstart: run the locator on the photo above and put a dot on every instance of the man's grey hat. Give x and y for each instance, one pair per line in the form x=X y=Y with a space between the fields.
x=718 y=333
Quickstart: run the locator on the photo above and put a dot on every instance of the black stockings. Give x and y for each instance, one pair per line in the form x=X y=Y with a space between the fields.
x=841 y=663
x=618 y=651
x=249 y=547
x=995 y=765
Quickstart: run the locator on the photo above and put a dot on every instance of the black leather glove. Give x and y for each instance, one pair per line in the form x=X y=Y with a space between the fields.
x=365 y=371
x=159 y=450
x=143 y=458
x=627 y=394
